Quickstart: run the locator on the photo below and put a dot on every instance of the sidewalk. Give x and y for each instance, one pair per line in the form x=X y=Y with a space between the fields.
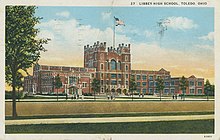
x=108 y=119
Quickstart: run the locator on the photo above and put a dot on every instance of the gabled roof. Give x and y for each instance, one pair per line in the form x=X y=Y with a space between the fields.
x=162 y=69
x=192 y=76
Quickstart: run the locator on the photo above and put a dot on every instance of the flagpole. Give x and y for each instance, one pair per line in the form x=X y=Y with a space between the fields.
x=114 y=33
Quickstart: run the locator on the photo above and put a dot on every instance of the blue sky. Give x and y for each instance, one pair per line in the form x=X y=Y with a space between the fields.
x=190 y=34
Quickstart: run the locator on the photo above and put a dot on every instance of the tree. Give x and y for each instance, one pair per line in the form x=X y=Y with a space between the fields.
x=183 y=85
x=19 y=84
x=95 y=86
x=208 y=88
x=160 y=85
x=57 y=83
x=132 y=86
x=22 y=47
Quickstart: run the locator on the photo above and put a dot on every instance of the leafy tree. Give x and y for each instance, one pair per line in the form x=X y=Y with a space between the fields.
x=95 y=86
x=22 y=46
x=183 y=85
x=132 y=86
x=208 y=88
x=57 y=83
x=160 y=85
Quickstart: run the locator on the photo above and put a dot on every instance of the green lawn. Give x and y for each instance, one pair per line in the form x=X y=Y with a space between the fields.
x=111 y=115
x=166 y=127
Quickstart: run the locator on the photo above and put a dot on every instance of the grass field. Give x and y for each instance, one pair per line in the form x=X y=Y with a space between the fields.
x=70 y=108
x=166 y=127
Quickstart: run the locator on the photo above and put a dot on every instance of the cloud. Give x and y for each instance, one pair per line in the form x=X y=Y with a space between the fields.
x=68 y=40
x=65 y=14
x=148 y=33
x=181 y=23
x=106 y=15
x=206 y=47
x=209 y=37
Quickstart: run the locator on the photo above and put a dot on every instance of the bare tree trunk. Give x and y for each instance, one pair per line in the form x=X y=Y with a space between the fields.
x=14 y=111
x=132 y=95
x=94 y=96
x=57 y=94
x=160 y=95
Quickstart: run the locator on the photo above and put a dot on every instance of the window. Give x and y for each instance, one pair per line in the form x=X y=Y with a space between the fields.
x=199 y=91
x=119 y=75
x=150 y=90
x=127 y=76
x=138 y=77
x=151 y=84
x=166 y=91
x=172 y=83
x=172 y=91
x=119 y=65
x=144 y=77
x=192 y=91
x=126 y=67
x=191 y=83
x=144 y=84
x=106 y=65
x=151 y=77
x=119 y=82
x=199 y=83
x=166 y=83
x=155 y=83
x=113 y=76
x=126 y=82
x=126 y=58
x=144 y=90
x=139 y=91
x=102 y=82
x=138 y=83
x=102 y=75
x=113 y=64
x=102 y=66
x=84 y=85
x=113 y=82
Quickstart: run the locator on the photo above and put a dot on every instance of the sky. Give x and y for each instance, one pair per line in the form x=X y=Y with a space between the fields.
x=186 y=47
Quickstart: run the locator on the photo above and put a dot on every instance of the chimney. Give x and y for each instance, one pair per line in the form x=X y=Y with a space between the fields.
x=98 y=43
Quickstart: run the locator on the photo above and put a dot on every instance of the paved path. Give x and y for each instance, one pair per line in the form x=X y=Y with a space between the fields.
x=108 y=119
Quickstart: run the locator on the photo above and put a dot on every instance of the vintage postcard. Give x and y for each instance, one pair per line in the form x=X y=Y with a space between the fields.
x=109 y=70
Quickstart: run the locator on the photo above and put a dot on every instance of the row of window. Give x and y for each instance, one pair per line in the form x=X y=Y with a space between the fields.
x=114 y=65
x=166 y=91
x=113 y=82
x=151 y=77
x=192 y=83
x=113 y=76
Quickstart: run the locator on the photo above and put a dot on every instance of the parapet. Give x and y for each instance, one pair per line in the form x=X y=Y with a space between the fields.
x=97 y=46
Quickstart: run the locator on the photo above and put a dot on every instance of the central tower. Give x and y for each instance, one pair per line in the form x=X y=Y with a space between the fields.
x=113 y=66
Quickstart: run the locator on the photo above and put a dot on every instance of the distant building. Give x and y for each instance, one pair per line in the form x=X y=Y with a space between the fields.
x=195 y=85
x=112 y=66
x=74 y=79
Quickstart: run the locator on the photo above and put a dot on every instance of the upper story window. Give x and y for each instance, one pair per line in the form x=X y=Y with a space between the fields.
x=126 y=67
x=191 y=83
x=113 y=64
x=119 y=65
x=102 y=67
x=199 y=83
x=126 y=58
x=144 y=77
x=138 y=77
